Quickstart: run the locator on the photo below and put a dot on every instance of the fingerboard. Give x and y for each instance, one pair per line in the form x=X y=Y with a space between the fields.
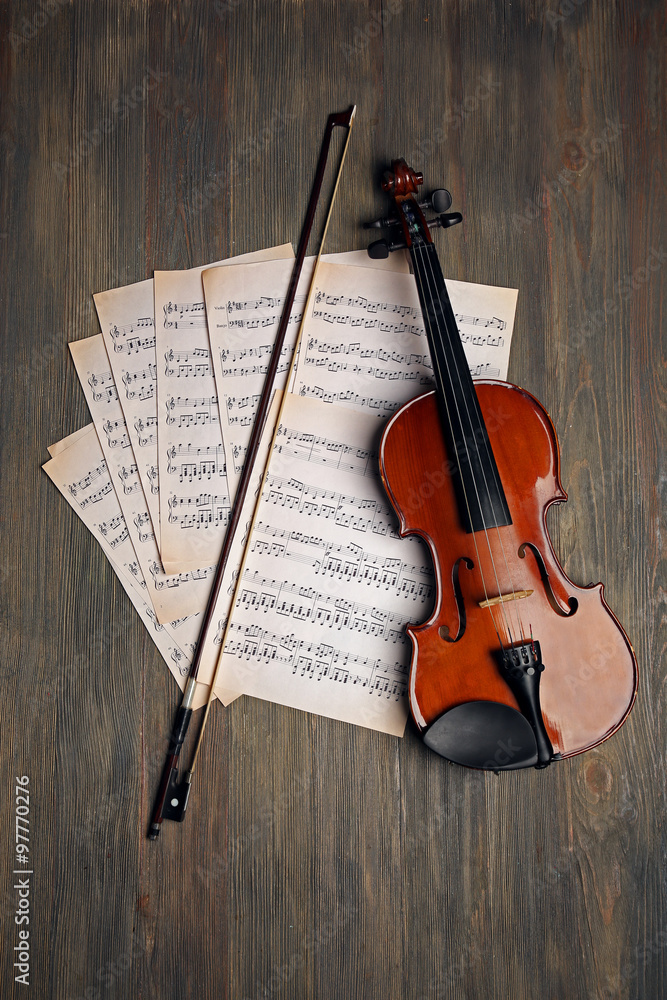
x=480 y=494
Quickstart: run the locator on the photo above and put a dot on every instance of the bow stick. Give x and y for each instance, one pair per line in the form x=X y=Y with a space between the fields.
x=172 y=797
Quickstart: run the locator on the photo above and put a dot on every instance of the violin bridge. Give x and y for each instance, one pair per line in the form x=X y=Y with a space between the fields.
x=516 y=595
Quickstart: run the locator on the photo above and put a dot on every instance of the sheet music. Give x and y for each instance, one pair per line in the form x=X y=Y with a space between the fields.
x=194 y=497
x=328 y=585
x=128 y=329
x=172 y=597
x=127 y=321
x=78 y=469
x=365 y=346
x=173 y=655
x=244 y=306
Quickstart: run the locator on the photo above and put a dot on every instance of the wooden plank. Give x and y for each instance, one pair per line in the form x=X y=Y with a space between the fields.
x=319 y=859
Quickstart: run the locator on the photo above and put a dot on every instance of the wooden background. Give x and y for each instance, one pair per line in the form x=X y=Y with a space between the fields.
x=319 y=860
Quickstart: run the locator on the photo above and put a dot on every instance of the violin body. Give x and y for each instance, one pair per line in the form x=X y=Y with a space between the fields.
x=589 y=677
x=517 y=666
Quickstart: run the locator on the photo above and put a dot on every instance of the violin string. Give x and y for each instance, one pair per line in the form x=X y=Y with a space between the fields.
x=476 y=435
x=436 y=364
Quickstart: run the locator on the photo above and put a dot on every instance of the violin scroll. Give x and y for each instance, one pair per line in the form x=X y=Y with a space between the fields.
x=409 y=223
x=401 y=181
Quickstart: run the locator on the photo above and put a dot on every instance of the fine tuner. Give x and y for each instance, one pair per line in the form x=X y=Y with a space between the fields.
x=439 y=201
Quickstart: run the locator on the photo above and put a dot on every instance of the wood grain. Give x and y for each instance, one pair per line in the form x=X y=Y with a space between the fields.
x=318 y=859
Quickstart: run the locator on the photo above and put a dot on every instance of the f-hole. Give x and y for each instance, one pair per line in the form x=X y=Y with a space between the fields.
x=572 y=602
x=443 y=631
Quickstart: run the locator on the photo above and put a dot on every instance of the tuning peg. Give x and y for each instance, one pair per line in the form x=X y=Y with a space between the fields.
x=378 y=250
x=452 y=219
x=440 y=200
x=445 y=221
x=382 y=223
x=381 y=249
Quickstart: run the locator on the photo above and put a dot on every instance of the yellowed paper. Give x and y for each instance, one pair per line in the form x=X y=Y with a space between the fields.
x=56 y=449
x=328 y=585
x=79 y=471
x=366 y=347
x=172 y=597
x=194 y=496
x=244 y=306
x=128 y=328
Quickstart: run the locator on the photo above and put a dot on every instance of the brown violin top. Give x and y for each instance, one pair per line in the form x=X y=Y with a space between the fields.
x=517 y=666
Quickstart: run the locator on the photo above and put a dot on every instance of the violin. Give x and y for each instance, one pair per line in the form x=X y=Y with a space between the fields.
x=517 y=666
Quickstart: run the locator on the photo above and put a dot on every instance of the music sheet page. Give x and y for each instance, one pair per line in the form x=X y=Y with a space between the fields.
x=78 y=469
x=172 y=597
x=365 y=345
x=328 y=584
x=128 y=328
x=194 y=496
x=243 y=308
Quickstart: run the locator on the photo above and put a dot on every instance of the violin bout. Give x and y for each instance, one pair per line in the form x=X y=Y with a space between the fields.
x=517 y=665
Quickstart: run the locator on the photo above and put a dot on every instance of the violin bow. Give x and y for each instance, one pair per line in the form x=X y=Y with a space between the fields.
x=172 y=797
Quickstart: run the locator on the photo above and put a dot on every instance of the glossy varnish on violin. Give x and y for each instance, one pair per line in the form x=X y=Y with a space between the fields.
x=589 y=681
x=517 y=665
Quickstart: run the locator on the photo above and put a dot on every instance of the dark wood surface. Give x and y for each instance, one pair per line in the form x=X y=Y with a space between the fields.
x=318 y=859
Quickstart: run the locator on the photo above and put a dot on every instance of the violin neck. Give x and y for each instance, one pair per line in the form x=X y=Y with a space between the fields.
x=482 y=503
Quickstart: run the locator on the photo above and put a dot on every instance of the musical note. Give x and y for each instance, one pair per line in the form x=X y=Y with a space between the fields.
x=200 y=411
x=129 y=479
x=317 y=661
x=79 y=465
x=325 y=558
x=82 y=485
x=325 y=451
x=128 y=329
x=210 y=462
x=116 y=432
x=130 y=497
x=152 y=476
x=360 y=302
x=184 y=365
x=188 y=540
x=142 y=523
x=139 y=383
x=180 y=315
x=103 y=387
x=346 y=562
x=200 y=511
x=145 y=428
x=124 y=339
x=356 y=341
